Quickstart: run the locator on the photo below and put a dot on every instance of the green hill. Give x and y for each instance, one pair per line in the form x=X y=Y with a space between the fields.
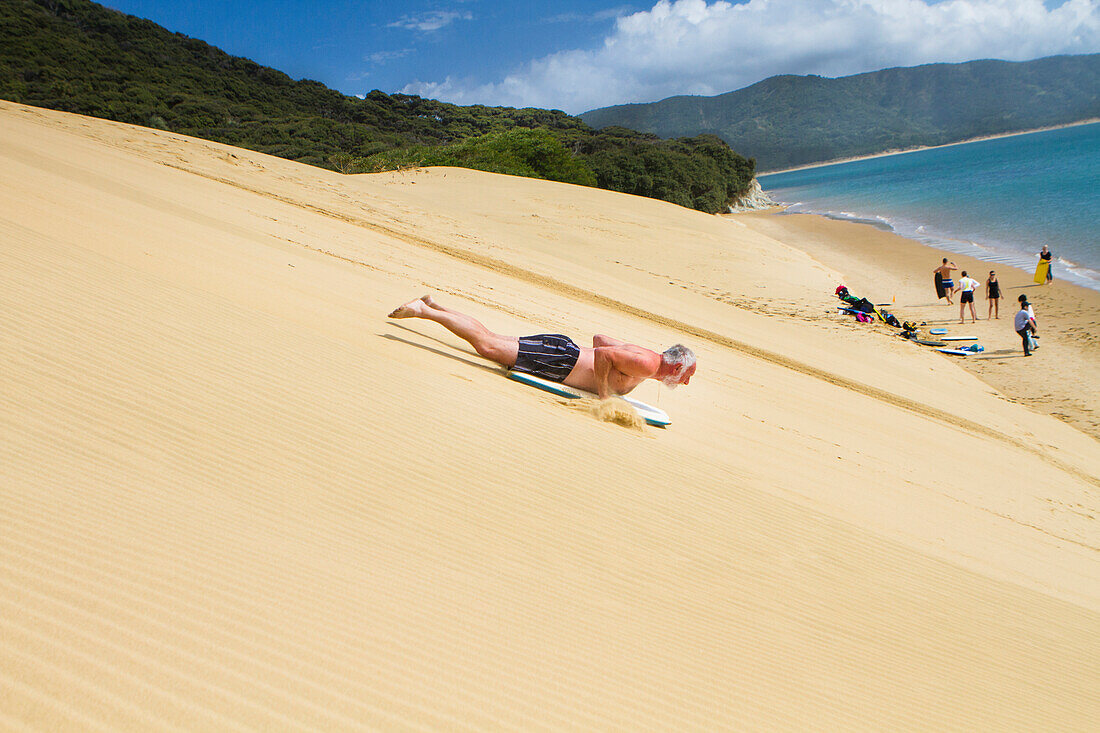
x=787 y=121
x=78 y=56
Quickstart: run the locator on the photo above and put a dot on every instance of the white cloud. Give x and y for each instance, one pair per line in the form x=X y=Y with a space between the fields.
x=598 y=17
x=430 y=21
x=699 y=47
x=383 y=57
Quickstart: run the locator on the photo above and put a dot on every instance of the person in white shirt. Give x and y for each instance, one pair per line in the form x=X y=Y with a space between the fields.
x=967 y=286
x=1025 y=323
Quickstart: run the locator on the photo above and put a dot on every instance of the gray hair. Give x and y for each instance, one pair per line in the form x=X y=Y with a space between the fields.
x=679 y=354
x=680 y=357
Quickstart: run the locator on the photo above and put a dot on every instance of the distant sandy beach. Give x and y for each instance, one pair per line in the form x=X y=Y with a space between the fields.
x=919 y=148
x=235 y=495
x=885 y=267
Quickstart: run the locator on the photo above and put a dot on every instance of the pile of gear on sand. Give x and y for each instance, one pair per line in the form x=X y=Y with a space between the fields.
x=867 y=312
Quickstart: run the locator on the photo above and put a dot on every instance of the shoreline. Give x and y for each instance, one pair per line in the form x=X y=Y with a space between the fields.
x=995 y=258
x=886 y=266
x=903 y=151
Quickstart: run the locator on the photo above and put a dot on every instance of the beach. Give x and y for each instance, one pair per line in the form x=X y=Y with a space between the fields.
x=234 y=495
x=897 y=272
x=903 y=151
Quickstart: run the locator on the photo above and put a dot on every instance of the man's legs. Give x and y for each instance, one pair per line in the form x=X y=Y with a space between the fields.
x=492 y=346
x=1023 y=335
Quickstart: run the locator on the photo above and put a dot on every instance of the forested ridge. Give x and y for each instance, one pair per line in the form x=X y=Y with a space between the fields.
x=787 y=121
x=78 y=56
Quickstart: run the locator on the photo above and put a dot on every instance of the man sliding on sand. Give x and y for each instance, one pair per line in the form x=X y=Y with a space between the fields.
x=610 y=367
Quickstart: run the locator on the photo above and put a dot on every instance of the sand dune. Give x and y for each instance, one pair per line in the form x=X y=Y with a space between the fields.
x=235 y=496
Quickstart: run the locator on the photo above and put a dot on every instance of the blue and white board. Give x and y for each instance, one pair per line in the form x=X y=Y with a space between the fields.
x=957 y=352
x=653 y=415
x=937 y=331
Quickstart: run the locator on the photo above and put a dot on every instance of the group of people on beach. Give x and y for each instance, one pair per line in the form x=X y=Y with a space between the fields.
x=945 y=287
x=1024 y=321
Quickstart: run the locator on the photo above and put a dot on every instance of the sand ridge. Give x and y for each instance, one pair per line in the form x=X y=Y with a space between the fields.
x=564 y=288
x=548 y=282
x=236 y=496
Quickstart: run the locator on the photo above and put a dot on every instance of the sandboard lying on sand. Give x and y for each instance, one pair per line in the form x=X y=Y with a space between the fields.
x=653 y=415
x=958 y=352
x=960 y=338
x=1041 y=271
x=937 y=331
x=922 y=342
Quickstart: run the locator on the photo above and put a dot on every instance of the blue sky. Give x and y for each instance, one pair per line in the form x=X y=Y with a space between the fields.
x=581 y=54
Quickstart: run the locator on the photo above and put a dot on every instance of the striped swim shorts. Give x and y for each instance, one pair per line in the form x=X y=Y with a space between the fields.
x=548 y=355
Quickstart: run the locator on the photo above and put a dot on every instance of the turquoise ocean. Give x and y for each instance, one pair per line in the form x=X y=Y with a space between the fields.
x=999 y=200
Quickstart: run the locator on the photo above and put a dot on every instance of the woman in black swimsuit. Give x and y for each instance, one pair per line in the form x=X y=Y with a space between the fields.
x=993 y=295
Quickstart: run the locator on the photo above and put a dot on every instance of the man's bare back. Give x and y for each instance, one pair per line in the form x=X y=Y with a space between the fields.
x=641 y=362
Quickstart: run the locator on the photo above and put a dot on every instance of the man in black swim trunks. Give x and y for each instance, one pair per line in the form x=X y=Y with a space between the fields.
x=945 y=284
x=609 y=367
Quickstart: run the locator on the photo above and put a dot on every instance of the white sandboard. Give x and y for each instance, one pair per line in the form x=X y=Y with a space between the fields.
x=653 y=415
x=958 y=352
x=937 y=331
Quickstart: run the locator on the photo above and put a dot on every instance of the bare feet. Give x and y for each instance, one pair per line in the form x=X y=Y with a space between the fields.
x=427 y=300
x=411 y=309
